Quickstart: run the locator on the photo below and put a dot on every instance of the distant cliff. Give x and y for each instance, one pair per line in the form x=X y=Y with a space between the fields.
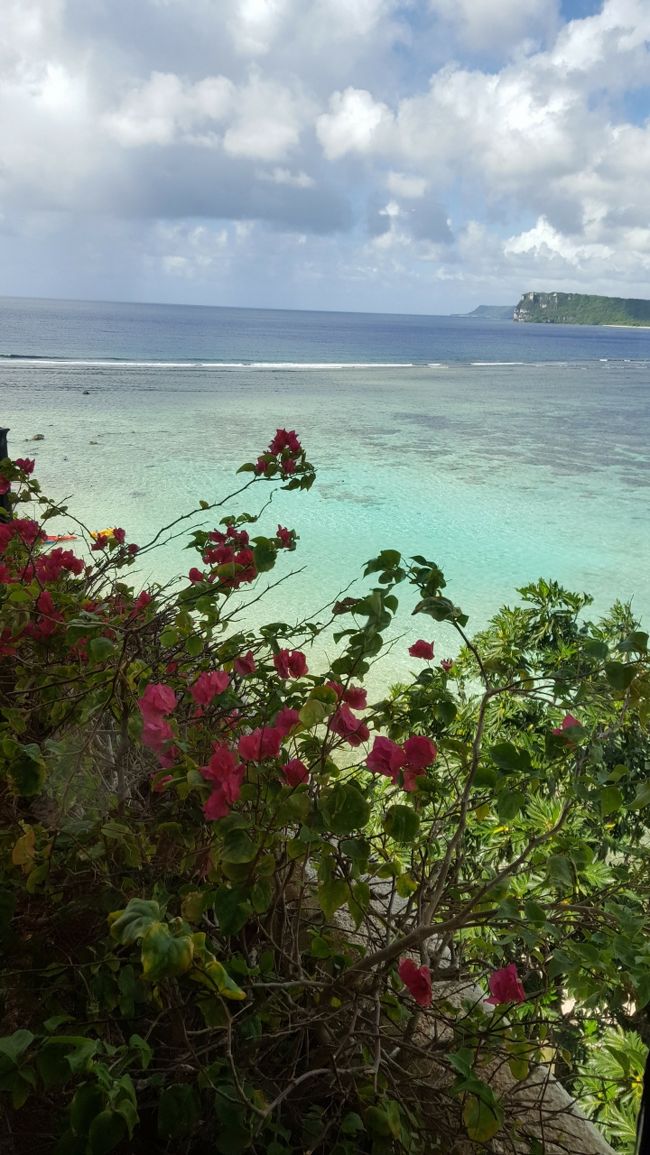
x=492 y=312
x=580 y=309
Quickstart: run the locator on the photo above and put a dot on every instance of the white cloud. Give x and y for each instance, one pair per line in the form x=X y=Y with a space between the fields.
x=267 y=122
x=356 y=122
x=285 y=176
x=405 y=185
x=489 y=25
x=255 y=24
x=165 y=109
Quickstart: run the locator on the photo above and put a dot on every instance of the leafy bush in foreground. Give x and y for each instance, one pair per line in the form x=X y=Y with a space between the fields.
x=242 y=909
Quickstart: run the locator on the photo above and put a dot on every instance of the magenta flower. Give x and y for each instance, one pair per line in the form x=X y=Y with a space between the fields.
x=386 y=757
x=417 y=981
x=506 y=986
x=568 y=723
x=295 y=772
x=208 y=685
x=421 y=649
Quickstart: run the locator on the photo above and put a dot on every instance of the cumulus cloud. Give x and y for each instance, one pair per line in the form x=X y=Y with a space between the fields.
x=356 y=122
x=389 y=143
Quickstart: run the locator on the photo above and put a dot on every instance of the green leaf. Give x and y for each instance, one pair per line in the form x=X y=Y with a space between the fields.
x=63 y=1056
x=142 y=1049
x=314 y=712
x=179 y=1111
x=401 y=823
x=561 y=872
x=611 y=800
x=332 y=895
x=265 y=553
x=130 y=924
x=510 y=758
x=164 y=955
x=89 y=1100
x=642 y=797
x=636 y=642
x=106 y=1131
x=620 y=675
x=13 y=1047
x=27 y=771
x=345 y=809
x=238 y=847
x=220 y=980
x=232 y=909
x=100 y=649
x=510 y=803
x=482 y=1120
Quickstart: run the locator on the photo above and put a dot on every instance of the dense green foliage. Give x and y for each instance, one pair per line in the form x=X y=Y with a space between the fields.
x=582 y=309
x=237 y=899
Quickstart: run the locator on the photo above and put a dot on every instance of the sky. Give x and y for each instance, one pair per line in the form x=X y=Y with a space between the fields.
x=385 y=155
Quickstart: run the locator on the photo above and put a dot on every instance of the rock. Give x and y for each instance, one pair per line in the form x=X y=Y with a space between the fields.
x=93 y=442
x=37 y=437
x=86 y=392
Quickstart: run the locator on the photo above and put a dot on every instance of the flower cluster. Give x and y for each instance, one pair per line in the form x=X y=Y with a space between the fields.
x=284 y=452
x=156 y=703
x=290 y=664
x=411 y=759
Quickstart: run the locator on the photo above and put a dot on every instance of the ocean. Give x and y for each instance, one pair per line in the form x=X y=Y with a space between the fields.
x=503 y=452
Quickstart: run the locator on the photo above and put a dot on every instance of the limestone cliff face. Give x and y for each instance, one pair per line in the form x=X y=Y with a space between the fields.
x=581 y=309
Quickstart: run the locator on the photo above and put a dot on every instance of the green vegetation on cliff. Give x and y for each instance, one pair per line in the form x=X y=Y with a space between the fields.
x=581 y=309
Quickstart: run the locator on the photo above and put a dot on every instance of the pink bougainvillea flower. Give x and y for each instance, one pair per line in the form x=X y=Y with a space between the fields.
x=169 y=758
x=119 y=535
x=290 y=664
x=245 y=664
x=336 y=687
x=223 y=797
x=356 y=697
x=196 y=575
x=26 y=464
x=261 y=465
x=285 y=439
x=386 y=757
x=420 y=752
x=421 y=649
x=132 y=548
x=45 y=602
x=348 y=726
x=5 y=485
x=568 y=723
x=447 y=664
x=262 y=743
x=208 y=685
x=417 y=981
x=286 y=537
x=287 y=466
x=157 y=699
x=295 y=772
x=226 y=775
x=100 y=542
x=155 y=732
x=223 y=764
x=506 y=986
x=285 y=720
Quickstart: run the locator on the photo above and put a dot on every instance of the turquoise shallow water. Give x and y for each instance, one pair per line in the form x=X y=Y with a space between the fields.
x=500 y=473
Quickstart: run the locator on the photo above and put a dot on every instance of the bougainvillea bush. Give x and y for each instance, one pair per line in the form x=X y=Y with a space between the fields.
x=244 y=907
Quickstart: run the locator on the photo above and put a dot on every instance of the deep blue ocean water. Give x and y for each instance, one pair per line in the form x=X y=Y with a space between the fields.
x=504 y=452
x=179 y=333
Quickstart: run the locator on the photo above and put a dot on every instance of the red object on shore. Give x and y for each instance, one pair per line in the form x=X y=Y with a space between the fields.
x=60 y=537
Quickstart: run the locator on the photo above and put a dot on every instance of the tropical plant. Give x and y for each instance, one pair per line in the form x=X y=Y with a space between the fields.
x=242 y=909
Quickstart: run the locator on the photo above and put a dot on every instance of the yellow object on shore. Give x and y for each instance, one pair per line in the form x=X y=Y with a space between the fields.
x=103 y=532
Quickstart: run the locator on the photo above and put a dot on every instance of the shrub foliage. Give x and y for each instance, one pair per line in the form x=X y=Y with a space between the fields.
x=245 y=909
